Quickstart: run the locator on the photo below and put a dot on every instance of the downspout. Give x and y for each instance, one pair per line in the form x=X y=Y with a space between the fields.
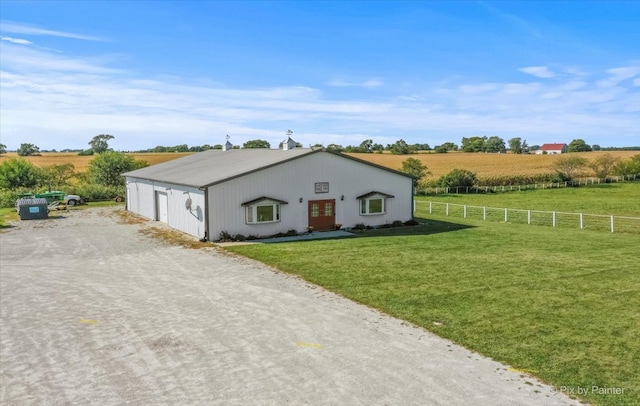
x=413 y=198
x=206 y=214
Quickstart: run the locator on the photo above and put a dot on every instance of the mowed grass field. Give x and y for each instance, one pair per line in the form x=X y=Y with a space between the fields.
x=560 y=304
x=484 y=165
x=619 y=199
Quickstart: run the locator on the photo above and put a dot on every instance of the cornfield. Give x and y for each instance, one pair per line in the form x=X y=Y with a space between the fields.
x=485 y=166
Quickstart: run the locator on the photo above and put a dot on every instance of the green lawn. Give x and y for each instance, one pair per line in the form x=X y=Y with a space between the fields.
x=562 y=304
x=620 y=199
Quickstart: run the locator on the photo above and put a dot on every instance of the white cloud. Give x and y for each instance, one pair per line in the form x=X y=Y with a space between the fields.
x=370 y=83
x=60 y=101
x=16 y=40
x=542 y=72
x=19 y=58
x=18 y=28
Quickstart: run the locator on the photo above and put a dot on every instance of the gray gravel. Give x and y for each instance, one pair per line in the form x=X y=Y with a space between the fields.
x=94 y=312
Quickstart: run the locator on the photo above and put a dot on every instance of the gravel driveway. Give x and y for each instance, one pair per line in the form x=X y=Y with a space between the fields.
x=94 y=312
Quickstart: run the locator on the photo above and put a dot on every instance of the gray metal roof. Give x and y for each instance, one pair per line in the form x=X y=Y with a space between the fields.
x=215 y=166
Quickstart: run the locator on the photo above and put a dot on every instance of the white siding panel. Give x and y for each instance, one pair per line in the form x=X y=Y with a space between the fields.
x=296 y=179
x=142 y=200
x=141 y=197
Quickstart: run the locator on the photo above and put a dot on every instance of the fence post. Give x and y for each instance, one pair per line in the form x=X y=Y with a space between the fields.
x=430 y=207
x=465 y=211
x=506 y=216
x=503 y=188
x=612 y=224
x=484 y=213
x=446 y=190
x=529 y=217
x=581 y=222
x=447 y=210
x=553 y=217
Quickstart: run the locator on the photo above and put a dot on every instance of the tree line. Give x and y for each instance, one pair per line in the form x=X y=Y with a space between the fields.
x=492 y=144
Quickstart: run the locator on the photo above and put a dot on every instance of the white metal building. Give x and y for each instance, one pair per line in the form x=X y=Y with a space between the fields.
x=262 y=192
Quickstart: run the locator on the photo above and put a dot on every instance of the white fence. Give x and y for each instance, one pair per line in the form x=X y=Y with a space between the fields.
x=511 y=188
x=582 y=221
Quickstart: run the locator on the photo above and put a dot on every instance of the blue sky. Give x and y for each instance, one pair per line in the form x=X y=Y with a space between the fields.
x=189 y=72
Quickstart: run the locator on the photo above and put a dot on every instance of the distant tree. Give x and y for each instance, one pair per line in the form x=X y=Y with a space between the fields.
x=515 y=145
x=596 y=147
x=414 y=167
x=494 y=144
x=629 y=166
x=317 y=146
x=3 y=149
x=602 y=165
x=57 y=175
x=534 y=147
x=441 y=149
x=473 y=144
x=568 y=166
x=421 y=147
x=365 y=146
x=18 y=172
x=86 y=152
x=335 y=148
x=100 y=143
x=256 y=144
x=578 y=145
x=450 y=146
x=106 y=168
x=377 y=148
x=181 y=148
x=400 y=147
x=28 y=150
x=457 y=177
x=217 y=146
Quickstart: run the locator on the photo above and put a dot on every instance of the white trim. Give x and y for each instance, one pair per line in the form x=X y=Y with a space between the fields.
x=365 y=203
x=251 y=212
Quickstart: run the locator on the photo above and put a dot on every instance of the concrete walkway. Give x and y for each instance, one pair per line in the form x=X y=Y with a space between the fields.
x=97 y=312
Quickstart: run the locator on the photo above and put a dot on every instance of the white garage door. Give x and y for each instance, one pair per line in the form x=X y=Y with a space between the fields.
x=162 y=207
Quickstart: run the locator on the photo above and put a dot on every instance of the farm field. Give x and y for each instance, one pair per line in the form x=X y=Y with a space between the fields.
x=80 y=163
x=484 y=165
x=559 y=304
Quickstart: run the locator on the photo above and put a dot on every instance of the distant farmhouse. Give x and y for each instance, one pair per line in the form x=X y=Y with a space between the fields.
x=263 y=192
x=553 y=149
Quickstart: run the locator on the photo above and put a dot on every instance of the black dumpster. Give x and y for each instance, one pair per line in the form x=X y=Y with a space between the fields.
x=33 y=208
